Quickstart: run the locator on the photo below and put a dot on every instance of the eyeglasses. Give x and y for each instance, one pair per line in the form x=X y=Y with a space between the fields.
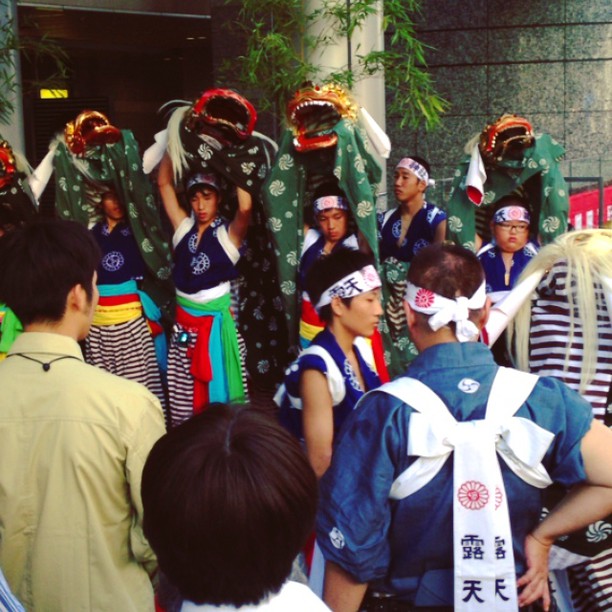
x=508 y=227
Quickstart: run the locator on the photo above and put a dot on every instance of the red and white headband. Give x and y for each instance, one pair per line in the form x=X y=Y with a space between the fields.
x=444 y=310
x=407 y=163
x=355 y=283
x=512 y=213
x=329 y=202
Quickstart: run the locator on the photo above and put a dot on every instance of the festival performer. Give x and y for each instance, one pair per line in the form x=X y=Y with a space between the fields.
x=323 y=385
x=16 y=208
x=422 y=530
x=415 y=223
x=329 y=232
x=510 y=250
x=505 y=158
x=326 y=141
x=215 y=134
x=204 y=362
x=93 y=157
x=120 y=340
x=565 y=331
x=402 y=232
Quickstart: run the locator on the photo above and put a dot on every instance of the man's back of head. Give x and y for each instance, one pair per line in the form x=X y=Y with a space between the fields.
x=446 y=269
x=445 y=299
x=41 y=263
x=229 y=500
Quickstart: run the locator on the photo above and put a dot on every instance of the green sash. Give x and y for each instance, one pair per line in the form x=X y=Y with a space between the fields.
x=229 y=341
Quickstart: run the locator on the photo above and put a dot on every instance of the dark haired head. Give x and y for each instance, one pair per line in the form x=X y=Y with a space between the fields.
x=326 y=189
x=511 y=200
x=229 y=500
x=329 y=270
x=448 y=270
x=41 y=263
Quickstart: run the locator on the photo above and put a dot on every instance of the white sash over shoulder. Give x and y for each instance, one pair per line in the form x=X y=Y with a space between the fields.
x=485 y=574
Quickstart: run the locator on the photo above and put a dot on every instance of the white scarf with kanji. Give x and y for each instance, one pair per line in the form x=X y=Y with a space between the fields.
x=485 y=573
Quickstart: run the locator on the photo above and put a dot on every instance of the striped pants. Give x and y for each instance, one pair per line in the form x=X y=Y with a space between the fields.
x=126 y=349
x=180 y=379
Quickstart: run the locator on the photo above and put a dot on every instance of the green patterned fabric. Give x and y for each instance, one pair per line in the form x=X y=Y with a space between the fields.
x=399 y=348
x=118 y=166
x=537 y=174
x=295 y=175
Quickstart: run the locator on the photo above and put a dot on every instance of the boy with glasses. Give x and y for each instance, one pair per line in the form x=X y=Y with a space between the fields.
x=510 y=249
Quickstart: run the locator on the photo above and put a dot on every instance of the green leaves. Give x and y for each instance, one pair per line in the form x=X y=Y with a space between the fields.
x=282 y=34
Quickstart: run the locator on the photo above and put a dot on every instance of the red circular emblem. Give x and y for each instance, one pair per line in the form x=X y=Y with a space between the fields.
x=473 y=495
x=424 y=298
x=371 y=276
x=515 y=213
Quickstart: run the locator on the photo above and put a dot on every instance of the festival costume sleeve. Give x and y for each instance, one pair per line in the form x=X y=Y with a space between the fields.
x=354 y=507
x=439 y=216
x=549 y=195
x=562 y=411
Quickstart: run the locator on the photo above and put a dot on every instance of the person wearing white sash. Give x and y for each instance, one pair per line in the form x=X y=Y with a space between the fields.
x=434 y=493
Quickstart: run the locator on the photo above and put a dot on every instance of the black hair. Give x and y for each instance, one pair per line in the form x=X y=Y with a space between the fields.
x=328 y=188
x=329 y=270
x=41 y=262
x=229 y=500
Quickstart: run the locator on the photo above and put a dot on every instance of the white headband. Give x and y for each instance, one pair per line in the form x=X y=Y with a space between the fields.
x=329 y=202
x=360 y=281
x=407 y=163
x=444 y=310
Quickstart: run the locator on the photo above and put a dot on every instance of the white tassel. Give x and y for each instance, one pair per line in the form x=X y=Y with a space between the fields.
x=476 y=177
x=41 y=176
x=153 y=155
x=377 y=136
x=177 y=152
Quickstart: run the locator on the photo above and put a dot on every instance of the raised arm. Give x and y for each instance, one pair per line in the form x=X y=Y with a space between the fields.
x=583 y=505
x=239 y=226
x=317 y=420
x=165 y=183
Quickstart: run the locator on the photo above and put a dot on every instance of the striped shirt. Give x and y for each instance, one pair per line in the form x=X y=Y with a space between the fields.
x=550 y=334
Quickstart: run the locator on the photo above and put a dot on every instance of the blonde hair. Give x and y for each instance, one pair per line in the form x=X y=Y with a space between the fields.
x=588 y=257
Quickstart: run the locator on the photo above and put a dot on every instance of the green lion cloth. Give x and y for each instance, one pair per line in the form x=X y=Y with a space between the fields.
x=293 y=176
x=400 y=350
x=118 y=166
x=537 y=174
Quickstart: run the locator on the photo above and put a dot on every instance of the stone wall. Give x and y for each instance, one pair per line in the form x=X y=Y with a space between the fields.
x=549 y=61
